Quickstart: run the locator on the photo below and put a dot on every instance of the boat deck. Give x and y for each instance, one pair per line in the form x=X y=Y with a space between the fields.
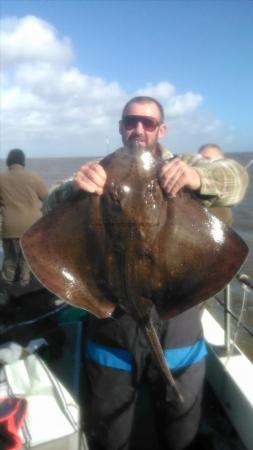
x=216 y=431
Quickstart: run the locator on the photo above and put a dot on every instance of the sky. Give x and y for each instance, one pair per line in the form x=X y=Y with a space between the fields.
x=69 y=66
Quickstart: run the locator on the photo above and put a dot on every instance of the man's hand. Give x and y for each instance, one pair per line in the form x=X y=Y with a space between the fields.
x=91 y=177
x=176 y=174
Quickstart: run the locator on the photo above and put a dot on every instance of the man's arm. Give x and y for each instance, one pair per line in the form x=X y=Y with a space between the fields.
x=90 y=177
x=57 y=195
x=225 y=181
x=219 y=183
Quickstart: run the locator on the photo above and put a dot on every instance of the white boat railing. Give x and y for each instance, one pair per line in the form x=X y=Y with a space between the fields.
x=229 y=370
x=247 y=284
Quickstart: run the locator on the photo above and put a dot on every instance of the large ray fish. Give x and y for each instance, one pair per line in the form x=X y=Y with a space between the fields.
x=133 y=247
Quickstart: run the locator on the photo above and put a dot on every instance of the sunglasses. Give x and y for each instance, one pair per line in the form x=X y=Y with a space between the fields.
x=148 y=123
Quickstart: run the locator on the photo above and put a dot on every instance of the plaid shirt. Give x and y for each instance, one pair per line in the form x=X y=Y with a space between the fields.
x=223 y=182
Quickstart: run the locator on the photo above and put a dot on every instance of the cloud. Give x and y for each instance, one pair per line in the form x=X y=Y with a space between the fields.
x=187 y=133
x=51 y=108
x=31 y=39
x=175 y=105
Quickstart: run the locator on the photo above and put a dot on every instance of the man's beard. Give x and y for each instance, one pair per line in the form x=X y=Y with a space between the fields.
x=137 y=142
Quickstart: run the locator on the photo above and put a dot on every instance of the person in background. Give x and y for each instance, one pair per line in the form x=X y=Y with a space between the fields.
x=21 y=194
x=214 y=152
x=117 y=356
x=211 y=151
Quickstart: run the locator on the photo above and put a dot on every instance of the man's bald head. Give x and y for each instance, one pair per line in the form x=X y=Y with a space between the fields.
x=211 y=151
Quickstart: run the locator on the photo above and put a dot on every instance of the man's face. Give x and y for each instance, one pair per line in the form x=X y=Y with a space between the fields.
x=141 y=126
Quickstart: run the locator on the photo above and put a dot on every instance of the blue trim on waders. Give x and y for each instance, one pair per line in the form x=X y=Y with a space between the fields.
x=115 y=358
x=179 y=358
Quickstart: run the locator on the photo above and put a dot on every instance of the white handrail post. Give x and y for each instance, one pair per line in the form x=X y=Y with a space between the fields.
x=227 y=318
